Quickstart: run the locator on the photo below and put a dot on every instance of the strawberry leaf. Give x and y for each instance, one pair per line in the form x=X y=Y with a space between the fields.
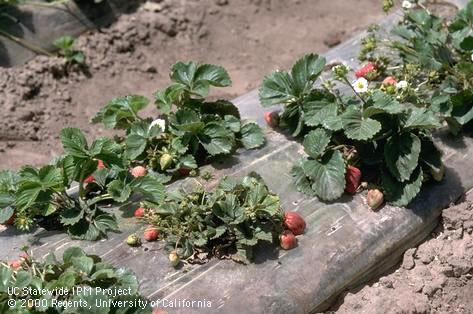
x=317 y=112
x=302 y=181
x=151 y=188
x=401 y=153
x=217 y=139
x=327 y=176
x=251 y=135
x=357 y=127
x=71 y=216
x=198 y=78
x=305 y=71
x=120 y=112
x=421 y=118
x=383 y=102
x=74 y=142
x=119 y=191
x=277 y=88
x=315 y=142
x=402 y=193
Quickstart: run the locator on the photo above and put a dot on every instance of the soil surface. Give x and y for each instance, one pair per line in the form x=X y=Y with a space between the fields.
x=435 y=277
x=250 y=38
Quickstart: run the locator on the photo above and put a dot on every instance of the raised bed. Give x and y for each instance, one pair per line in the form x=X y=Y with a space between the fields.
x=345 y=243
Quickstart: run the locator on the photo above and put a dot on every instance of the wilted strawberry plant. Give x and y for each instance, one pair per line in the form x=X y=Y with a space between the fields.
x=228 y=222
x=43 y=195
x=77 y=284
x=190 y=129
x=368 y=134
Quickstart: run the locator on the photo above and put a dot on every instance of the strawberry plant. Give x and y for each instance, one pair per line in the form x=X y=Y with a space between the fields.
x=65 y=45
x=370 y=130
x=41 y=195
x=190 y=129
x=433 y=60
x=77 y=284
x=226 y=222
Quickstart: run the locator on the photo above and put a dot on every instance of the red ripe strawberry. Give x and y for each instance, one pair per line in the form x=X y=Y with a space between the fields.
x=271 y=118
x=15 y=264
x=287 y=240
x=353 y=179
x=389 y=81
x=184 y=171
x=138 y=171
x=294 y=222
x=367 y=71
x=139 y=212
x=151 y=234
x=100 y=164
x=10 y=220
x=89 y=179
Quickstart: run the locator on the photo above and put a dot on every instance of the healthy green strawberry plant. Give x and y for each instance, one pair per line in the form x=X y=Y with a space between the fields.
x=433 y=59
x=65 y=46
x=228 y=222
x=43 y=195
x=369 y=129
x=190 y=130
x=80 y=283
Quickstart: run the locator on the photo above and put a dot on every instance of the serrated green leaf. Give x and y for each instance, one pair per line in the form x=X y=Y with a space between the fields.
x=402 y=193
x=305 y=71
x=301 y=181
x=462 y=107
x=233 y=123
x=164 y=100
x=198 y=78
x=315 y=142
x=327 y=175
x=71 y=216
x=151 y=188
x=74 y=142
x=83 y=263
x=421 y=118
x=317 y=112
x=357 y=127
x=71 y=253
x=6 y=213
x=383 y=103
x=277 y=88
x=187 y=120
x=105 y=223
x=251 y=135
x=23 y=279
x=402 y=155
x=84 y=230
x=119 y=191
x=217 y=139
x=121 y=111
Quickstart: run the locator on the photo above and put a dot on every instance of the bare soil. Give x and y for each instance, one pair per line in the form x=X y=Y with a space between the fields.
x=435 y=277
x=249 y=37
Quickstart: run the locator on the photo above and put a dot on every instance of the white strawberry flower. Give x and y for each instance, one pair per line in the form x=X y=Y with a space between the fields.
x=401 y=84
x=472 y=57
x=406 y=4
x=159 y=122
x=360 y=85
